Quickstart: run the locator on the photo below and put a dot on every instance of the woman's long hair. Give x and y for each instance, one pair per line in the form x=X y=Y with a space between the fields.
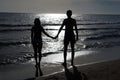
x=37 y=22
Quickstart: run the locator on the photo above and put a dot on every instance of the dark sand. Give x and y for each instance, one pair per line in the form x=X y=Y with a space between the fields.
x=108 y=70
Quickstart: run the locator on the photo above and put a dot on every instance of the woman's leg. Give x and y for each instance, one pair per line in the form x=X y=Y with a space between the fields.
x=40 y=56
x=40 y=51
x=35 y=56
x=35 y=52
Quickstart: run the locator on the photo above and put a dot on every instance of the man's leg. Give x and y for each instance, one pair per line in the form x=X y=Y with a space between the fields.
x=65 y=51
x=73 y=53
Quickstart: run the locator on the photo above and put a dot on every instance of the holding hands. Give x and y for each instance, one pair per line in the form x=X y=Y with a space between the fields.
x=56 y=37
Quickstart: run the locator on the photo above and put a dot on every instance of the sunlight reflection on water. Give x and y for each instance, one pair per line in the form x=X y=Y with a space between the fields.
x=53 y=18
x=58 y=58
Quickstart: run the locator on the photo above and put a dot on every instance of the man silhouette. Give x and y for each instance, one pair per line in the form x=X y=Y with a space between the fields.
x=69 y=36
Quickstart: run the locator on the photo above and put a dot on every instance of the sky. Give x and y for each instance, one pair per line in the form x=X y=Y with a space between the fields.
x=60 y=6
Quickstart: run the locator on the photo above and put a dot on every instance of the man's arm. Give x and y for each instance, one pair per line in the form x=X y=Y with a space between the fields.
x=60 y=29
x=76 y=30
x=32 y=35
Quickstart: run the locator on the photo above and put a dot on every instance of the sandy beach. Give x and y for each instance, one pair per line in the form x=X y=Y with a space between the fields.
x=104 y=66
x=108 y=70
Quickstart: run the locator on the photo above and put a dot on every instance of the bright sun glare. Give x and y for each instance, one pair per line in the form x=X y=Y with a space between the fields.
x=52 y=15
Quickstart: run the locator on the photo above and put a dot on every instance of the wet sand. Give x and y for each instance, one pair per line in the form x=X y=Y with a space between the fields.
x=108 y=70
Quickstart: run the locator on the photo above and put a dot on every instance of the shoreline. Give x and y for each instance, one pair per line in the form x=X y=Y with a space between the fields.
x=26 y=71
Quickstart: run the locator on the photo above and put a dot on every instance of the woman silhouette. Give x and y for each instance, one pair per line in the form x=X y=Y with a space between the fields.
x=36 y=39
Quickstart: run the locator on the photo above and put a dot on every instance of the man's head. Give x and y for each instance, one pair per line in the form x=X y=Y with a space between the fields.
x=69 y=13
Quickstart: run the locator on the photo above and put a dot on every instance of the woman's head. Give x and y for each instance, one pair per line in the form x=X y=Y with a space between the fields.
x=37 y=21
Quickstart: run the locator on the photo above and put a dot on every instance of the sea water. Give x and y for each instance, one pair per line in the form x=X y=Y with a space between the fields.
x=96 y=31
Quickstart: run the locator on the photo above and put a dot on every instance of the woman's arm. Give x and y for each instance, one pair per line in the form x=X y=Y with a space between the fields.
x=46 y=33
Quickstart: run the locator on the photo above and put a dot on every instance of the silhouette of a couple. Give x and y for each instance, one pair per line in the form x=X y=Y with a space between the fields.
x=69 y=37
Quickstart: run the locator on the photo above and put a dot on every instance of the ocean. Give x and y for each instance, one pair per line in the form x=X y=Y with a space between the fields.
x=96 y=31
